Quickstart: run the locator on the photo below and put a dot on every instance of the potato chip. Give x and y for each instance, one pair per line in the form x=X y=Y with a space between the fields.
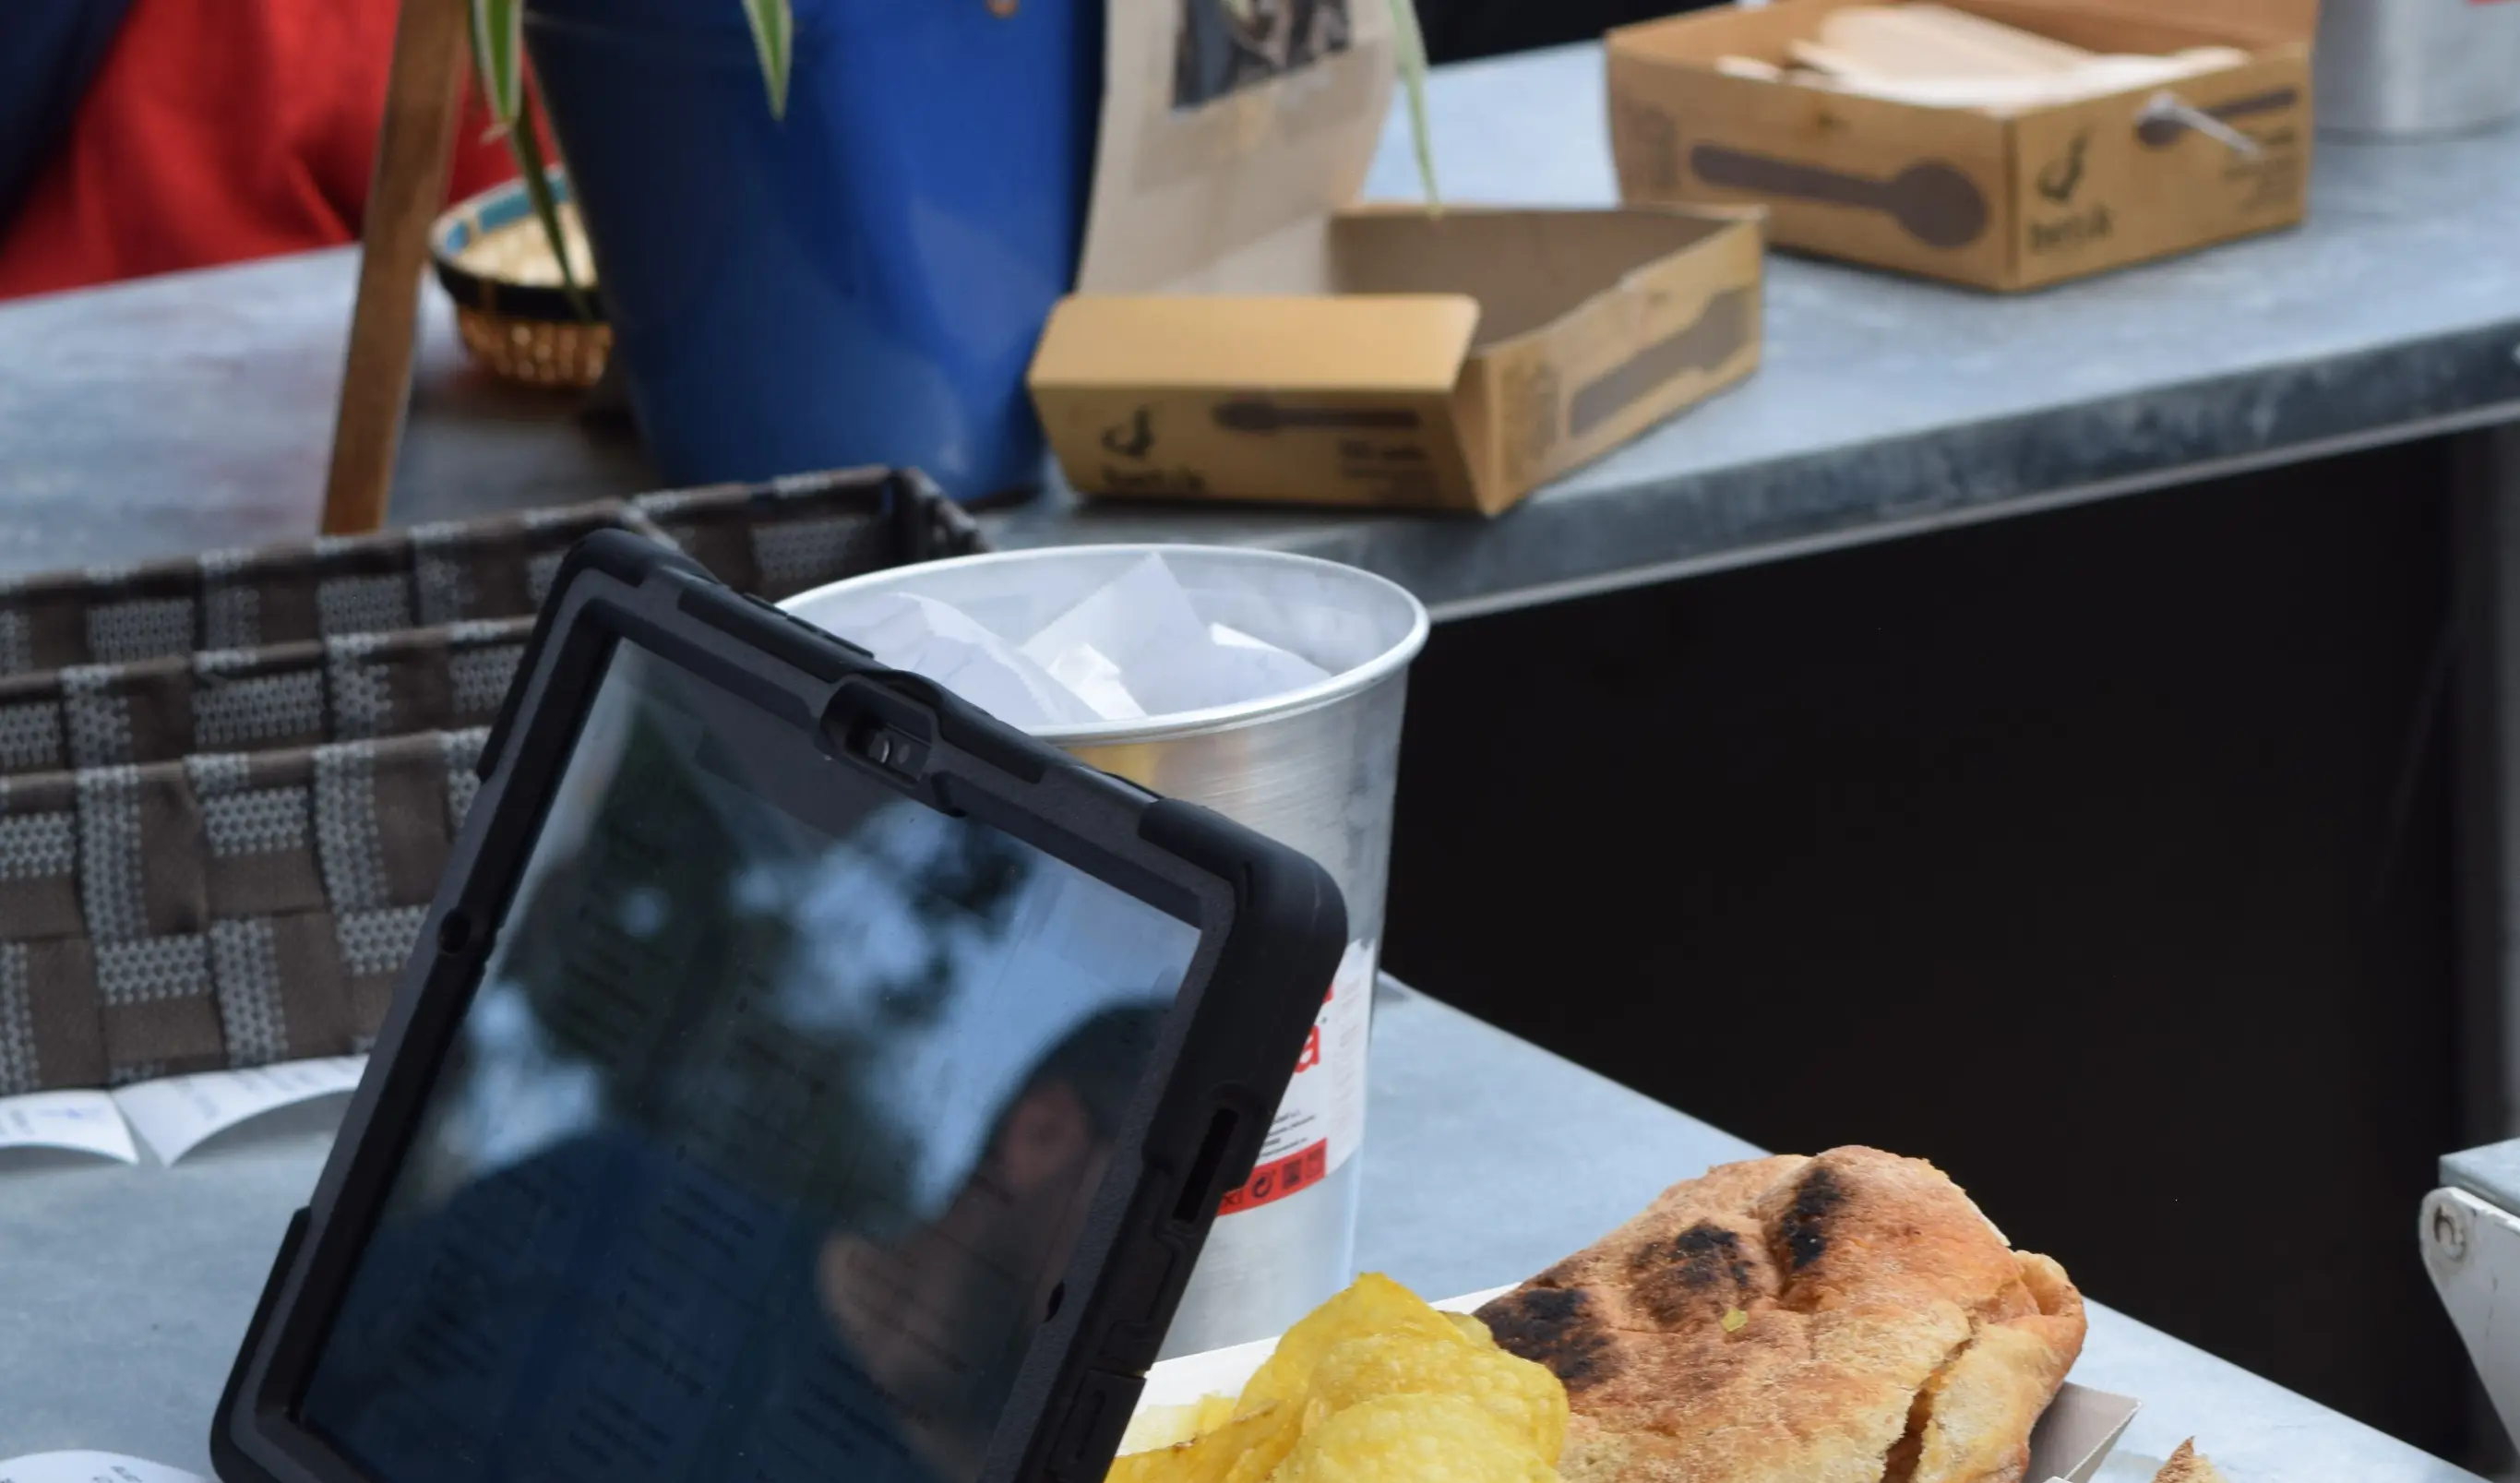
x=1472 y=1330
x=1245 y=1450
x=1372 y=1304
x=1525 y=1398
x=1413 y=1439
x=1213 y=1412
x=1374 y=1386
x=1156 y=1426
x=1264 y=1448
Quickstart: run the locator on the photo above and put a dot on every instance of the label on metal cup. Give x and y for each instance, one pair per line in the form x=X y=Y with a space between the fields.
x=1322 y=1119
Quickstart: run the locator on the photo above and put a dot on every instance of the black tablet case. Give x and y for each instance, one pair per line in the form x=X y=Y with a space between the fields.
x=1244 y=1011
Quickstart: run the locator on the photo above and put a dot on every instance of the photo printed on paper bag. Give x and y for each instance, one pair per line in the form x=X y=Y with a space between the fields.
x=1230 y=44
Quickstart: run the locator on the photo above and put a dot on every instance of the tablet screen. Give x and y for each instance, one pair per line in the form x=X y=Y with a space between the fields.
x=763 y=1142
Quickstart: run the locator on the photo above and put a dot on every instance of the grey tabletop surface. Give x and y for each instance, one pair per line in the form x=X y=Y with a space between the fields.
x=2491 y=1173
x=123 y=1292
x=160 y=417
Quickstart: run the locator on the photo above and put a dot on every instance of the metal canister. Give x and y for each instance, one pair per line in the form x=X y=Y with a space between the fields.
x=2402 y=68
x=1314 y=767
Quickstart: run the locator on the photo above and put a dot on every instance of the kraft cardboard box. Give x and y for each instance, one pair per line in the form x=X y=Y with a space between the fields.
x=2003 y=201
x=1241 y=331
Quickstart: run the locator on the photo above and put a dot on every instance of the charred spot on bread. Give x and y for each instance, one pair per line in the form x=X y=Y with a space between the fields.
x=1702 y=1269
x=1567 y=1273
x=1554 y=1327
x=1805 y=1226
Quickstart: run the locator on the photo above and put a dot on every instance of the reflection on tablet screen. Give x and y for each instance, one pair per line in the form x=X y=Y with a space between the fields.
x=764 y=1140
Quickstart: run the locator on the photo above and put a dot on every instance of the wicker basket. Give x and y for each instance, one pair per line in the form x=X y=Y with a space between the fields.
x=222 y=859
x=539 y=352
x=530 y=333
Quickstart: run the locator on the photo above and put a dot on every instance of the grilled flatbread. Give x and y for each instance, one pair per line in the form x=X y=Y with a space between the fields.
x=1846 y=1318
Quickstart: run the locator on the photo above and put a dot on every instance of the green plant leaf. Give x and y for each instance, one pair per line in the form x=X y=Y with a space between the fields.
x=525 y=144
x=499 y=56
x=773 y=38
x=1411 y=42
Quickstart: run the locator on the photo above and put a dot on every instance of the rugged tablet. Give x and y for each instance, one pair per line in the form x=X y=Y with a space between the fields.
x=800 y=1076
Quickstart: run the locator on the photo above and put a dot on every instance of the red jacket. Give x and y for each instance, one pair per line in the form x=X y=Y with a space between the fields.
x=218 y=130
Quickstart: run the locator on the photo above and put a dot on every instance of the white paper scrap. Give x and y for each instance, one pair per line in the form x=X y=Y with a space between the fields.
x=175 y=1115
x=90 y=1468
x=1096 y=680
x=1144 y=624
x=83 y=1122
x=1266 y=669
x=937 y=639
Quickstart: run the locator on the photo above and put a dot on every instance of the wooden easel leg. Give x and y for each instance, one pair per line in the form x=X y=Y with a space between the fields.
x=414 y=151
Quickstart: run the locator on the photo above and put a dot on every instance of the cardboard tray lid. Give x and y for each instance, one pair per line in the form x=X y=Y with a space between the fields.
x=1400 y=343
x=2271 y=19
x=1382 y=299
x=2073 y=1437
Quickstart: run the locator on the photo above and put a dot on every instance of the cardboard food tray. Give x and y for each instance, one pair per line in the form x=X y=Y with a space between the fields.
x=2004 y=201
x=2068 y=1445
x=1245 y=331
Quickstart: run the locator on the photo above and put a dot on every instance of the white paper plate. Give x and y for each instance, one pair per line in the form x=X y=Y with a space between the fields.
x=2069 y=1444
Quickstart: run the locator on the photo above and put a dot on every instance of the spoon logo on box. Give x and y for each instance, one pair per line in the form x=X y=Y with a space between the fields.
x=2059 y=179
x=1136 y=440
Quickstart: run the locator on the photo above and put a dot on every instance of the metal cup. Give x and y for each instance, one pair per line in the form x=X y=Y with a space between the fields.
x=2403 y=68
x=1314 y=769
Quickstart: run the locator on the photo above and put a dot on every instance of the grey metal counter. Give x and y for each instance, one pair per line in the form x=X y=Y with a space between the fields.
x=124 y=1291
x=160 y=416
x=2491 y=1173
